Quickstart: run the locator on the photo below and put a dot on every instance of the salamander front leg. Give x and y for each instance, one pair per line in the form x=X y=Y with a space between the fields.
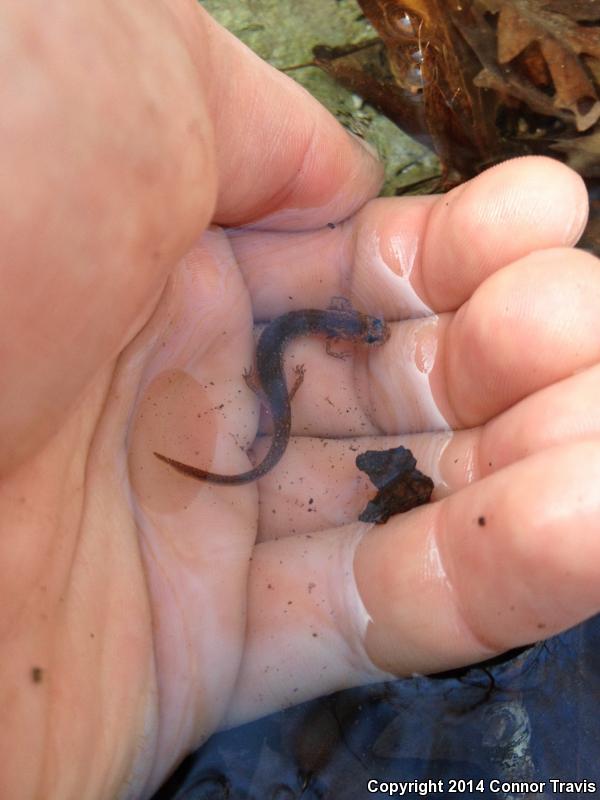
x=338 y=303
x=253 y=383
x=330 y=352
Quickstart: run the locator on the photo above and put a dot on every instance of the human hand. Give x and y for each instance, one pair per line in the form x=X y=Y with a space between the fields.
x=139 y=611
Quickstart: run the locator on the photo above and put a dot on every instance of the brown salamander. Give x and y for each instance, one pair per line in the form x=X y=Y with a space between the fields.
x=339 y=321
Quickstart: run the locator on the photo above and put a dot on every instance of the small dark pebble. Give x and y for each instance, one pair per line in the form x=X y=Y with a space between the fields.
x=401 y=486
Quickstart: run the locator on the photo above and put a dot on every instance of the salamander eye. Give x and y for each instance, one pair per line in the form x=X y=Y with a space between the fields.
x=377 y=331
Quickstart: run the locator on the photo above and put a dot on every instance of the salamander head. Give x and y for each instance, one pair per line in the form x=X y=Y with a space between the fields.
x=375 y=330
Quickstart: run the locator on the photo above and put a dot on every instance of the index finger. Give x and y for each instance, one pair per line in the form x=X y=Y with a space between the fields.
x=411 y=256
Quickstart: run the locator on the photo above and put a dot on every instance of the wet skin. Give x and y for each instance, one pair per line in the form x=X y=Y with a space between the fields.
x=269 y=380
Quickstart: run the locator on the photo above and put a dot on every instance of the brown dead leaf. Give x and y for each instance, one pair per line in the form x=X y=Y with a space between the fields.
x=561 y=41
x=497 y=78
x=431 y=60
x=581 y=10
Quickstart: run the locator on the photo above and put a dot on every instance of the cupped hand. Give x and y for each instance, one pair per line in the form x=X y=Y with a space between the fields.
x=142 y=610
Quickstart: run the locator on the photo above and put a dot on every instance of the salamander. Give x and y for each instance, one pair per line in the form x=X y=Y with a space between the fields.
x=339 y=321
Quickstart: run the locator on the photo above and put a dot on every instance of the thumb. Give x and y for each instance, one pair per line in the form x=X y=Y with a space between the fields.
x=108 y=176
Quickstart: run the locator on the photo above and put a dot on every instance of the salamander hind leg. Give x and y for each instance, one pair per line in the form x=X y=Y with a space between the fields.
x=253 y=383
x=299 y=371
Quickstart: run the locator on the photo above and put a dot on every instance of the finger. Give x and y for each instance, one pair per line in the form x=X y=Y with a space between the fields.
x=283 y=159
x=509 y=211
x=563 y=412
x=318 y=486
x=527 y=326
x=507 y=561
x=404 y=257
